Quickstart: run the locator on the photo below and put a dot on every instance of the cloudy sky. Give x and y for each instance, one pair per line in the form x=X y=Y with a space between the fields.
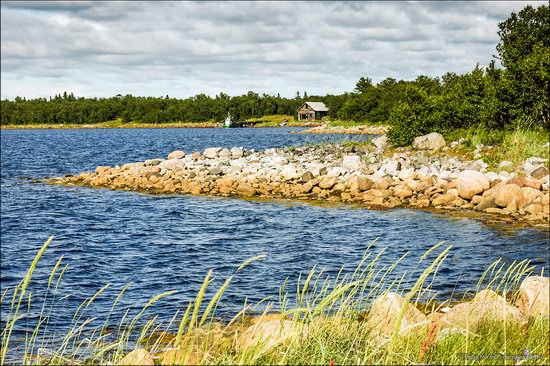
x=185 y=48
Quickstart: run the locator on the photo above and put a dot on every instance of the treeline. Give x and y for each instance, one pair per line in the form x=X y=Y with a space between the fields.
x=67 y=108
x=491 y=97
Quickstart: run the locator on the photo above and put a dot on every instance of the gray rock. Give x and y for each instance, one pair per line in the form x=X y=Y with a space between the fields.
x=279 y=160
x=307 y=176
x=317 y=169
x=225 y=153
x=236 y=152
x=215 y=171
x=351 y=162
x=289 y=172
x=533 y=163
x=240 y=162
x=233 y=170
x=253 y=158
x=422 y=160
x=391 y=167
x=153 y=162
x=211 y=152
x=433 y=141
x=539 y=172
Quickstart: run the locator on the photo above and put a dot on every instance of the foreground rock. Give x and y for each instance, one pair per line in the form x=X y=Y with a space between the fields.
x=138 y=356
x=534 y=297
x=335 y=173
x=471 y=182
x=385 y=311
x=275 y=332
x=487 y=306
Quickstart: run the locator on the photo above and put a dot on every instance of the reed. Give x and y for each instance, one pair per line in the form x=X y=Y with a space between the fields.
x=327 y=323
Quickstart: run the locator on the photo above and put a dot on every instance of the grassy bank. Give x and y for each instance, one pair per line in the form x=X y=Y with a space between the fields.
x=350 y=124
x=274 y=120
x=328 y=323
x=113 y=124
x=492 y=146
x=500 y=145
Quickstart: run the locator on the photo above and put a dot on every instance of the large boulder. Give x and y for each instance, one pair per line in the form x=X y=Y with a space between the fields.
x=240 y=162
x=178 y=154
x=433 y=141
x=529 y=195
x=443 y=199
x=471 y=182
x=402 y=192
x=386 y=309
x=245 y=189
x=211 y=152
x=225 y=153
x=138 y=356
x=534 y=296
x=507 y=193
x=364 y=183
x=327 y=183
x=486 y=306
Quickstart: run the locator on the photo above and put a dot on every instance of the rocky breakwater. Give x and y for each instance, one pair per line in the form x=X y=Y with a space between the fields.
x=425 y=176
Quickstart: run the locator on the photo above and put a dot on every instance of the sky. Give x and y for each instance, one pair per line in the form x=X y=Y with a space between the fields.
x=182 y=49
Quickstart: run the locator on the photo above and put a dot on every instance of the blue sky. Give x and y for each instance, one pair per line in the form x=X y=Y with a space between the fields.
x=185 y=48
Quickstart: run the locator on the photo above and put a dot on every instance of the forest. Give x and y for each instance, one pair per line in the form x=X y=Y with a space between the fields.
x=513 y=90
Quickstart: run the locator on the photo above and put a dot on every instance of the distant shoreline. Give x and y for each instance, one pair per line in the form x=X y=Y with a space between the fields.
x=46 y=126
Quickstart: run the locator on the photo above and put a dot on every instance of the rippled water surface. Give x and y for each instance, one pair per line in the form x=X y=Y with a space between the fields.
x=161 y=243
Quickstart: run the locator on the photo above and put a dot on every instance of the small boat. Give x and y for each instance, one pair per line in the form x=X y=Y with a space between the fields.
x=229 y=121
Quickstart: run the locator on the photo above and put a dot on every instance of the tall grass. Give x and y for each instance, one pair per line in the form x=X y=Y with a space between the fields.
x=327 y=322
x=514 y=145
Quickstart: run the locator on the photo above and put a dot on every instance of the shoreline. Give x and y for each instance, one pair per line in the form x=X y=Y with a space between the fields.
x=366 y=176
x=137 y=125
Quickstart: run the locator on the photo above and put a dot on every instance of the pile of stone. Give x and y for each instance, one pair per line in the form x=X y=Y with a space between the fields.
x=418 y=177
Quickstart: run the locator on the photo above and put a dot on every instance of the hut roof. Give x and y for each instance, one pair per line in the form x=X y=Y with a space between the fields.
x=317 y=106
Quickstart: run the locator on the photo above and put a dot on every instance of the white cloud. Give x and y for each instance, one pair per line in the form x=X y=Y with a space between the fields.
x=181 y=49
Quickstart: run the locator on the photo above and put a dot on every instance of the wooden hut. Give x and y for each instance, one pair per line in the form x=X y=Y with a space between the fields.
x=310 y=111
